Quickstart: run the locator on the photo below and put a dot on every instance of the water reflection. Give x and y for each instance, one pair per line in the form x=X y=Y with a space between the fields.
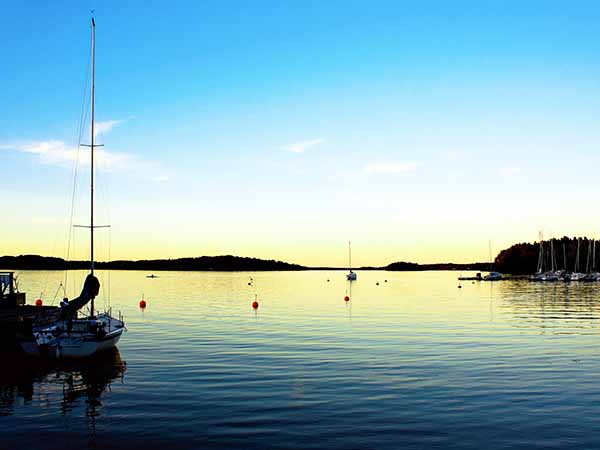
x=63 y=385
x=414 y=360
x=558 y=308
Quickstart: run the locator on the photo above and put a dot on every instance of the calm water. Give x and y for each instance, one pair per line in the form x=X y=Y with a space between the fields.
x=411 y=363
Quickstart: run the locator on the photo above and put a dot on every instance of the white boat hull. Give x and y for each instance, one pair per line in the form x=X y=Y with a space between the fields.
x=71 y=348
x=73 y=339
x=493 y=276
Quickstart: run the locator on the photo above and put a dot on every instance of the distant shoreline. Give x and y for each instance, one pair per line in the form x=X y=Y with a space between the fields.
x=226 y=263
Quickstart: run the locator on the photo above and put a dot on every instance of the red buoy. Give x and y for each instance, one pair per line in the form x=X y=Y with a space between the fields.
x=346 y=298
x=142 y=303
x=255 y=304
x=39 y=302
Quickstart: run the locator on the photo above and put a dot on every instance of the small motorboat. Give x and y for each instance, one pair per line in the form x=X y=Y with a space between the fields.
x=493 y=276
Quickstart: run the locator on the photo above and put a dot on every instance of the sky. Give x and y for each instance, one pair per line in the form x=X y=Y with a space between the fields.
x=419 y=130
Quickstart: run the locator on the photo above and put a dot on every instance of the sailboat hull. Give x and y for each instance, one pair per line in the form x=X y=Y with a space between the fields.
x=75 y=338
x=74 y=347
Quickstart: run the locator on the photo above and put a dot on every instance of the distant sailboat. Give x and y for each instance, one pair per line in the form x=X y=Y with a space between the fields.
x=73 y=336
x=539 y=273
x=590 y=268
x=492 y=276
x=576 y=275
x=553 y=274
x=594 y=275
x=351 y=276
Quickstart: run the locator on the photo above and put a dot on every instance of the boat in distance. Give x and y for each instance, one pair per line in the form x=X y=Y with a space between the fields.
x=493 y=276
x=351 y=275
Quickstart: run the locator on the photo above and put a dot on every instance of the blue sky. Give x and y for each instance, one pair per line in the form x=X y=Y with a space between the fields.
x=420 y=130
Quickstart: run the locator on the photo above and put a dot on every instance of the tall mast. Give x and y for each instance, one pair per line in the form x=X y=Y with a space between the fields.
x=92 y=160
x=349 y=256
x=589 y=253
x=92 y=153
x=92 y=146
x=541 y=254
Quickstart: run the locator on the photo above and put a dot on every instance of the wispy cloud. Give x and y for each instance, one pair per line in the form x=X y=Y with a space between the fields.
x=106 y=126
x=392 y=167
x=301 y=147
x=59 y=153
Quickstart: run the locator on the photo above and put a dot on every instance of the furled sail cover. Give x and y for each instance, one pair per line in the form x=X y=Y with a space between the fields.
x=90 y=290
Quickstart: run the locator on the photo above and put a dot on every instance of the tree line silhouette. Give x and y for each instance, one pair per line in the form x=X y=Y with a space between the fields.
x=227 y=263
x=523 y=258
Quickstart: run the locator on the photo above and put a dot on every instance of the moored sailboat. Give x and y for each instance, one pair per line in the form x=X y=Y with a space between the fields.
x=547 y=275
x=492 y=275
x=351 y=276
x=576 y=275
x=539 y=273
x=590 y=271
x=73 y=336
x=553 y=274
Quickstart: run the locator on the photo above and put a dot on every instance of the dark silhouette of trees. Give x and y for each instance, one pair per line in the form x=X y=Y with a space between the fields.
x=204 y=263
x=408 y=266
x=522 y=258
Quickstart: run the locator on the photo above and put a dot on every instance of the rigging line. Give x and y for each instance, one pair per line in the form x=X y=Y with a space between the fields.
x=76 y=162
x=102 y=172
x=55 y=294
x=105 y=188
x=47 y=277
x=100 y=274
x=107 y=204
x=75 y=258
x=69 y=209
x=108 y=268
x=104 y=274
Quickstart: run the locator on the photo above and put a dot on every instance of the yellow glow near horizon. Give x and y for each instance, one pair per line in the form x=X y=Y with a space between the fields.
x=422 y=230
x=423 y=244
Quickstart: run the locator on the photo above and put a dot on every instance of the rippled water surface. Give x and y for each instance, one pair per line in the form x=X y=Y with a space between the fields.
x=413 y=362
